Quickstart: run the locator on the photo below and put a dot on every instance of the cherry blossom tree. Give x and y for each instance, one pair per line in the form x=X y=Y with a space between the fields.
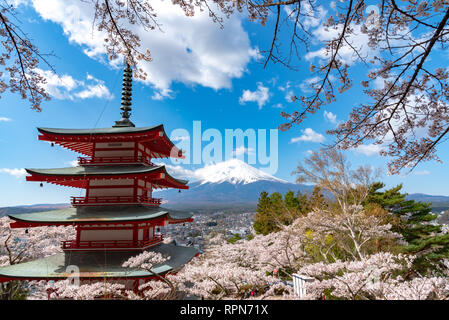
x=241 y=270
x=407 y=113
x=353 y=232
x=21 y=245
x=19 y=60
x=63 y=289
x=373 y=277
x=162 y=288
x=114 y=19
x=247 y=269
x=330 y=170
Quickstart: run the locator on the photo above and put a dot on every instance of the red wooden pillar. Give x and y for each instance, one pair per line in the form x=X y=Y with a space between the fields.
x=146 y=233
x=135 y=234
x=94 y=150
x=136 y=184
x=136 y=286
x=78 y=235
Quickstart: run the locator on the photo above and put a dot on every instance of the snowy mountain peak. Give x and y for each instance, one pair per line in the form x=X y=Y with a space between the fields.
x=234 y=171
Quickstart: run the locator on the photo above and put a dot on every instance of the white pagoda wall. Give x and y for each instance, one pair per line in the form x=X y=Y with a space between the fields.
x=114 y=153
x=92 y=235
x=111 y=192
x=97 y=192
x=111 y=182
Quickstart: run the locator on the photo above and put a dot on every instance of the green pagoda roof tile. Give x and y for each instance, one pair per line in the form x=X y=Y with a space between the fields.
x=98 y=265
x=96 y=170
x=102 y=170
x=89 y=214
x=113 y=130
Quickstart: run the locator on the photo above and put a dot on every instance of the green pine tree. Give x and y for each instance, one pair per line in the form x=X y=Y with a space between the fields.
x=415 y=223
x=304 y=203
x=263 y=222
x=291 y=202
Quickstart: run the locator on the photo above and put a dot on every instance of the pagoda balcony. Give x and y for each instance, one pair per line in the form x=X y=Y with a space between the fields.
x=115 y=200
x=111 y=244
x=82 y=161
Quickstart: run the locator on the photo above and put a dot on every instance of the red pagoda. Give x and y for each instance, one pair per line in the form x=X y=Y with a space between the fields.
x=118 y=217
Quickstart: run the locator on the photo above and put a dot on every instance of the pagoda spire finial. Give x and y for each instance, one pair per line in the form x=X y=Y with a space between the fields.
x=126 y=98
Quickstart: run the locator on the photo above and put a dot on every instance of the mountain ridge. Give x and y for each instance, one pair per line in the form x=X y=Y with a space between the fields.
x=230 y=185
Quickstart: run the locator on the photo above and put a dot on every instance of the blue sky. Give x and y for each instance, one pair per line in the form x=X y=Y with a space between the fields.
x=199 y=73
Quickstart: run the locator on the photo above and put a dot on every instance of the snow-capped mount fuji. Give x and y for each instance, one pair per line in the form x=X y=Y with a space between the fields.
x=234 y=171
x=226 y=185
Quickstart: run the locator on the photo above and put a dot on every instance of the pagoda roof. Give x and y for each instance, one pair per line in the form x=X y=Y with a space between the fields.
x=97 y=131
x=57 y=175
x=97 y=265
x=98 y=214
x=82 y=140
x=97 y=170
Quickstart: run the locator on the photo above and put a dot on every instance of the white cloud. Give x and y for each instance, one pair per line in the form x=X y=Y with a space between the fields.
x=242 y=150
x=357 y=40
x=94 y=91
x=18 y=173
x=180 y=138
x=308 y=152
x=286 y=87
x=289 y=95
x=179 y=172
x=66 y=87
x=192 y=50
x=329 y=116
x=368 y=149
x=308 y=85
x=313 y=16
x=17 y=3
x=278 y=106
x=309 y=135
x=5 y=119
x=261 y=95
x=57 y=86
x=162 y=94
x=73 y=163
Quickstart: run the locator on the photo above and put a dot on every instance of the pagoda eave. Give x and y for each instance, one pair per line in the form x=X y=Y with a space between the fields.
x=111 y=216
x=97 y=267
x=83 y=140
x=156 y=222
x=79 y=177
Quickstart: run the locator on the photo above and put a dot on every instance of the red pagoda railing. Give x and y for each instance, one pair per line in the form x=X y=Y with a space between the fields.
x=111 y=244
x=113 y=160
x=113 y=200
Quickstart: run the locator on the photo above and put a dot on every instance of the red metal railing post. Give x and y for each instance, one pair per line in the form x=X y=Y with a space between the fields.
x=108 y=160
x=110 y=244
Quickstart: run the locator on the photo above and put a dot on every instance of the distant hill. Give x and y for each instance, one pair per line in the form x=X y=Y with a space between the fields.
x=32 y=208
x=235 y=185
x=439 y=203
x=228 y=186
x=225 y=195
x=231 y=185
